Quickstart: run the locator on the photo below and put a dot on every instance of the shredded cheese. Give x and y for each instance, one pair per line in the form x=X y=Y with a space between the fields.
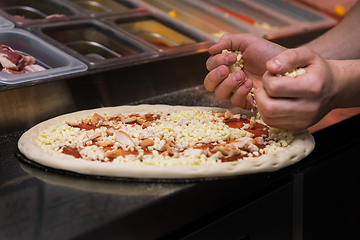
x=293 y=73
x=201 y=127
x=239 y=64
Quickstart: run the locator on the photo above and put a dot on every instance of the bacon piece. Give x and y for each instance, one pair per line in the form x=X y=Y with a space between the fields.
x=115 y=153
x=110 y=131
x=245 y=144
x=52 y=16
x=10 y=71
x=258 y=140
x=34 y=68
x=146 y=125
x=218 y=155
x=116 y=117
x=167 y=148
x=134 y=119
x=129 y=120
x=6 y=63
x=190 y=152
x=147 y=134
x=228 y=150
x=4 y=49
x=13 y=61
x=147 y=143
x=10 y=54
x=94 y=136
x=238 y=147
x=96 y=120
x=228 y=115
x=140 y=120
x=124 y=139
x=25 y=61
x=105 y=143
x=252 y=123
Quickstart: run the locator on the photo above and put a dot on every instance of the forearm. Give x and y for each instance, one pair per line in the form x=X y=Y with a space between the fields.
x=342 y=41
x=346 y=74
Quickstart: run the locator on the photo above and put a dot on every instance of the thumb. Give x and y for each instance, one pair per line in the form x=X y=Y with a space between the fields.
x=290 y=59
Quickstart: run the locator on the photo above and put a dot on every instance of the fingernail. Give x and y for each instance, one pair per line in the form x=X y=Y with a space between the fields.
x=220 y=72
x=247 y=83
x=230 y=58
x=275 y=63
x=236 y=77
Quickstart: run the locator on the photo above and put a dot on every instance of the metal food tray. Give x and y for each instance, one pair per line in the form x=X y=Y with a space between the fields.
x=177 y=38
x=102 y=8
x=95 y=43
x=201 y=19
x=276 y=24
x=25 y=12
x=307 y=17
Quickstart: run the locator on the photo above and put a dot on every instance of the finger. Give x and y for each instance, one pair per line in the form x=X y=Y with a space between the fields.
x=270 y=107
x=233 y=42
x=226 y=88
x=285 y=123
x=220 y=59
x=215 y=77
x=288 y=122
x=240 y=96
x=308 y=85
x=284 y=113
x=282 y=87
x=225 y=42
x=290 y=59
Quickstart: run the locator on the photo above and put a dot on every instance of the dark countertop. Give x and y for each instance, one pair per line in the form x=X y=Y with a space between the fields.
x=40 y=204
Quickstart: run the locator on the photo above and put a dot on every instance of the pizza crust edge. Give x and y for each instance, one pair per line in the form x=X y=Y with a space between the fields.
x=301 y=146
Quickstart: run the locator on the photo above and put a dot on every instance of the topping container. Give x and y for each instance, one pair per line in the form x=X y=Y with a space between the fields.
x=271 y=24
x=200 y=18
x=95 y=43
x=306 y=16
x=164 y=34
x=26 y=12
x=56 y=62
x=335 y=9
x=97 y=8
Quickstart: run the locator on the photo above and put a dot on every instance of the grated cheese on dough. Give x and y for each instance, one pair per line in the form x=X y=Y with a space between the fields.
x=187 y=129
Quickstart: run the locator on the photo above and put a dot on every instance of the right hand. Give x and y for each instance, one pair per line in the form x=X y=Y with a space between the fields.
x=297 y=103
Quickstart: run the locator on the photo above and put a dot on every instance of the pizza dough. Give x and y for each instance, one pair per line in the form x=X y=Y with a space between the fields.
x=302 y=144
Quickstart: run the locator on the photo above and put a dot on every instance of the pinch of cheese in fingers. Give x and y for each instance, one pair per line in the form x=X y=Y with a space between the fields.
x=293 y=73
x=239 y=64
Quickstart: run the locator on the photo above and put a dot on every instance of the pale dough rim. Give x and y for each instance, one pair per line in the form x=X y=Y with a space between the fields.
x=299 y=148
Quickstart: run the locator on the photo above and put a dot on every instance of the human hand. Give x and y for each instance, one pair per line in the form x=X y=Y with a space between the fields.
x=297 y=103
x=256 y=52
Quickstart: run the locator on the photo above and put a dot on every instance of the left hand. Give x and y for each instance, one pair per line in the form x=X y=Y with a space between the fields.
x=256 y=52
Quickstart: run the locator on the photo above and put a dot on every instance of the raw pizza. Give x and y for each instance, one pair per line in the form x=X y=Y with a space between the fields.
x=160 y=141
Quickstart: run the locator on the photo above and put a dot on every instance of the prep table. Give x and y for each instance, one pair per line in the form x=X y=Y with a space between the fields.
x=316 y=198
